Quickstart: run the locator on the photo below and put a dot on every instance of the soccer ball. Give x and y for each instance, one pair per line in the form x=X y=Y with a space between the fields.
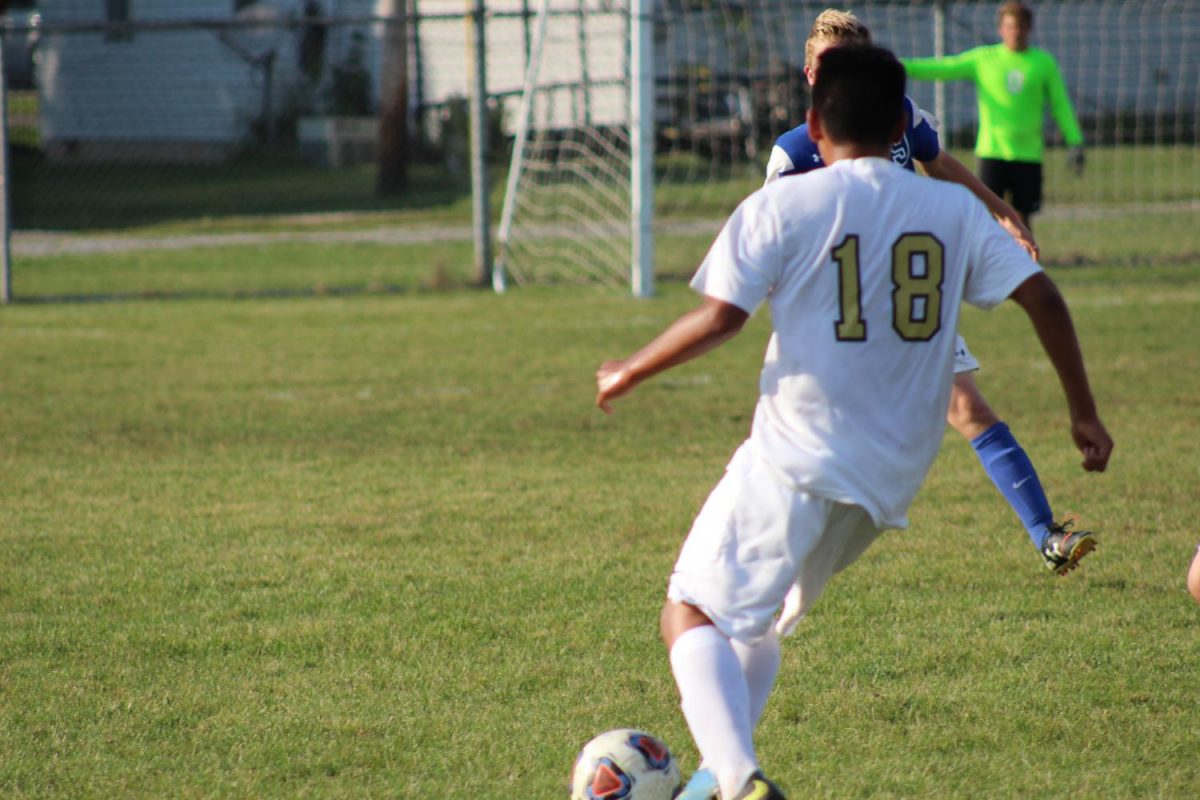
x=624 y=764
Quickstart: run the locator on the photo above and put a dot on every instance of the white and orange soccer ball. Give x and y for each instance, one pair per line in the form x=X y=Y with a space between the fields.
x=625 y=764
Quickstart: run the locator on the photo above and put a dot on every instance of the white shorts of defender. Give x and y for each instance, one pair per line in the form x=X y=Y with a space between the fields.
x=963 y=360
x=758 y=539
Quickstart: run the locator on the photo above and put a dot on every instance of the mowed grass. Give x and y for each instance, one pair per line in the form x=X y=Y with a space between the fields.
x=279 y=268
x=273 y=226
x=327 y=266
x=384 y=546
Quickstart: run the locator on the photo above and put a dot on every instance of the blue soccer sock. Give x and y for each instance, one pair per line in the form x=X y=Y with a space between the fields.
x=1011 y=470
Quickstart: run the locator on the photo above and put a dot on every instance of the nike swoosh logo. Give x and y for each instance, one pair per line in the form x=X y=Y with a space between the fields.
x=1022 y=482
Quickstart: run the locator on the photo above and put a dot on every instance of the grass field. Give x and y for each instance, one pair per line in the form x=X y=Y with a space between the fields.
x=248 y=192
x=384 y=546
x=123 y=225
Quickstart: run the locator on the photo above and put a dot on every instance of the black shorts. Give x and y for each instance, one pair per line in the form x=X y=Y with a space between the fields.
x=1021 y=179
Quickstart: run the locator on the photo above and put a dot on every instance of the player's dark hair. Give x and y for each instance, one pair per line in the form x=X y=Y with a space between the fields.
x=859 y=94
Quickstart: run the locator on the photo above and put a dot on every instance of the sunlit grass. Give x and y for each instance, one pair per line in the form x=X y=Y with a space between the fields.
x=385 y=546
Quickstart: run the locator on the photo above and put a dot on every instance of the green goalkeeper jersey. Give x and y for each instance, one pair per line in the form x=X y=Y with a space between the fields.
x=1013 y=89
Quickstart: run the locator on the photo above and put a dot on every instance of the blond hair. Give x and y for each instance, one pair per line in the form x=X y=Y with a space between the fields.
x=835 y=27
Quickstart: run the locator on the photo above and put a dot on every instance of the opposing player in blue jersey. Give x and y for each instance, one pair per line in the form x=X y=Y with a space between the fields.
x=1003 y=458
x=795 y=153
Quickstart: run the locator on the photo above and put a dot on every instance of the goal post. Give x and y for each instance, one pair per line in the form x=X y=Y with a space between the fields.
x=641 y=120
x=578 y=203
x=618 y=101
x=644 y=122
x=520 y=141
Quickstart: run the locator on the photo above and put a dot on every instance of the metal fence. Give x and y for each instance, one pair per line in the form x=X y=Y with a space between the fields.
x=143 y=122
x=209 y=91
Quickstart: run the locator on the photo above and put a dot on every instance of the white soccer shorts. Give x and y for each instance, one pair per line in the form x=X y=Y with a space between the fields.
x=963 y=360
x=755 y=539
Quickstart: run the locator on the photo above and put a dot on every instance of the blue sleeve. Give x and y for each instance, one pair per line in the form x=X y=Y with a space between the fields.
x=801 y=150
x=922 y=135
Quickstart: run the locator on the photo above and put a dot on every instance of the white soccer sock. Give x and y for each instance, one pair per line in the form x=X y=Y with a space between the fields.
x=716 y=704
x=760 y=665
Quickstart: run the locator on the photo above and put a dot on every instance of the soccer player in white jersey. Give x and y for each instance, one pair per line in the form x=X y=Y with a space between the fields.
x=864 y=266
x=999 y=452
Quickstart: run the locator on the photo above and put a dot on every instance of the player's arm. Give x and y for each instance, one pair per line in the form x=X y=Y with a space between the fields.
x=791 y=152
x=946 y=68
x=1064 y=115
x=1048 y=312
x=702 y=329
x=948 y=168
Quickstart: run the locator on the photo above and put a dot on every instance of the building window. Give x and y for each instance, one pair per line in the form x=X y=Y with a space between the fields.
x=238 y=5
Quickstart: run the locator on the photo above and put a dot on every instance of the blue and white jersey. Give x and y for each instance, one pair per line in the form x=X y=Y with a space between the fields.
x=795 y=153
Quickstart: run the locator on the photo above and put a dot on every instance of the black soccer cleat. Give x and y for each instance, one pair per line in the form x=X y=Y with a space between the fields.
x=1062 y=548
x=759 y=788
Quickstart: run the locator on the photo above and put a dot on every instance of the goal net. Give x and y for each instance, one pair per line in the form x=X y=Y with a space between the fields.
x=727 y=79
x=568 y=200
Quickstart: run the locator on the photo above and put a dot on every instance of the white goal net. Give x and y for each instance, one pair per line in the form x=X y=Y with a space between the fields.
x=567 y=205
x=727 y=80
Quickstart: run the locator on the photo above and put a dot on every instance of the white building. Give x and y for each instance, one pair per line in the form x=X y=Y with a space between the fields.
x=179 y=85
x=170 y=90
x=167 y=89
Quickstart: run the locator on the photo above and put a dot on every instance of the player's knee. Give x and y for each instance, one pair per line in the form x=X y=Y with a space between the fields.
x=678 y=618
x=969 y=414
x=668 y=626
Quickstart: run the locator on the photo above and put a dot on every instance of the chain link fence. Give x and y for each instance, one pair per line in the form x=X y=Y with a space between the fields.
x=144 y=122
x=261 y=116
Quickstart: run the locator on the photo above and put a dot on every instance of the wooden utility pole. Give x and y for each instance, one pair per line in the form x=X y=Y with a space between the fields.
x=392 y=177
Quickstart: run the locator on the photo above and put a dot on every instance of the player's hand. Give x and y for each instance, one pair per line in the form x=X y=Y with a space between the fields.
x=1076 y=159
x=612 y=381
x=1021 y=234
x=1094 y=442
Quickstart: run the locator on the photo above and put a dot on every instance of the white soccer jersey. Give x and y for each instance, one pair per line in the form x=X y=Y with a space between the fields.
x=864 y=266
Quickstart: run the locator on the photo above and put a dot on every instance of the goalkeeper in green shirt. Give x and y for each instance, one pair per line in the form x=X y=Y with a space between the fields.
x=1014 y=82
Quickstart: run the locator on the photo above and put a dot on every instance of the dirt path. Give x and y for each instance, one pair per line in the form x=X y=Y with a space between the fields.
x=48 y=243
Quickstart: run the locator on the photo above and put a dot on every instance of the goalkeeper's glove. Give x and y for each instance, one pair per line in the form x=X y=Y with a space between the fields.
x=1076 y=159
